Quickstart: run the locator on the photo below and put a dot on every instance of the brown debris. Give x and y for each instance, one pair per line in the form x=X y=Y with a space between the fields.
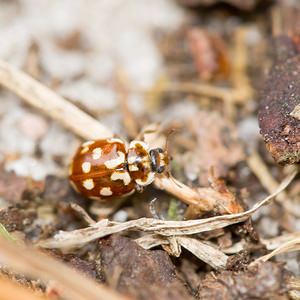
x=239 y=261
x=16 y=219
x=140 y=273
x=281 y=95
x=241 y=4
x=209 y=53
x=268 y=281
x=12 y=187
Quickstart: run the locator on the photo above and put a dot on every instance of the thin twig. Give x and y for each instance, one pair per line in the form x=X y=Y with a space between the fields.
x=82 y=213
x=293 y=245
x=51 y=104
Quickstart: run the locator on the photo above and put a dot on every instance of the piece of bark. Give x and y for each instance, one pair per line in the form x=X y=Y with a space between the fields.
x=281 y=95
x=267 y=281
x=241 y=4
x=140 y=273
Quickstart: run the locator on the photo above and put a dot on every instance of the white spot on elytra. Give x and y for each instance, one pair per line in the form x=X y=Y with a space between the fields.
x=106 y=191
x=150 y=178
x=121 y=176
x=88 y=184
x=113 y=163
x=85 y=146
x=97 y=153
x=133 y=168
x=86 y=167
x=84 y=150
x=114 y=140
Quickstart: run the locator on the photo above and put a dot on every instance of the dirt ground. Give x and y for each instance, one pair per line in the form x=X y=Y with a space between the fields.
x=214 y=82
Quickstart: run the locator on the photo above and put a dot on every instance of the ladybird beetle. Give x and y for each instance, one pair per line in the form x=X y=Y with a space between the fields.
x=103 y=169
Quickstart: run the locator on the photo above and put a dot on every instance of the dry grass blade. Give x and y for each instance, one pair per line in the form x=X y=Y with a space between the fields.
x=210 y=255
x=152 y=240
x=270 y=244
x=80 y=237
x=33 y=263
x=51 y=104
x=277 y=241
x=293 y=245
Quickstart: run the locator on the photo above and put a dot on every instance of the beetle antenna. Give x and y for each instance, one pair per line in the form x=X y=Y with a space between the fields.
x=171 y=131
x=169 y=174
